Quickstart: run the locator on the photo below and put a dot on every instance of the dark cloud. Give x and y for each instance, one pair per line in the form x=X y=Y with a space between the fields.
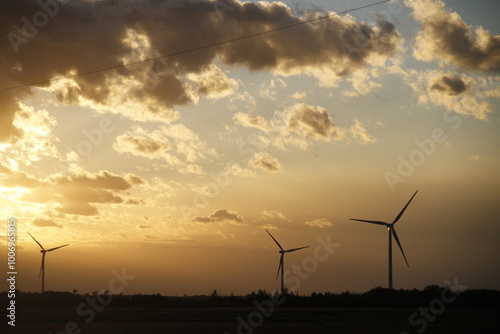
x=134 y=201
x=265 y=161
x=450 y=85
x=202 y=220
x=76 y=194
x=8 y=108
x=445 y=36
x=88 y=195
x=102 y=179
x=310 y=121
x=87 y=35
x=78 y=208
x=222 y=217
x=10 y=178
x=40 y=222
x=145 y=145
x=134 y=179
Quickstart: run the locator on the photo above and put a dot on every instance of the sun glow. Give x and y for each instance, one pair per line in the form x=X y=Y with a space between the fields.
x=15 y=196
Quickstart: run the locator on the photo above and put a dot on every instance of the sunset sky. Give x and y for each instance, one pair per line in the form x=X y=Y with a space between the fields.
x=173 y=167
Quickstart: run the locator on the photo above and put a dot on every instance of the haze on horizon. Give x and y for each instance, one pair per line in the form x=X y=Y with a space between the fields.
x=174 y=168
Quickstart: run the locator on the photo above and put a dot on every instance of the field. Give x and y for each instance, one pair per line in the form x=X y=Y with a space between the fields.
x=290 y=320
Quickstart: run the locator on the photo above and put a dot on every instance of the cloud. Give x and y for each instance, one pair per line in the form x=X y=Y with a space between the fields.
x=4 y=170
x=222 y=217
x=270 y=214
x=269 y=89
x=225 y=236
x=143 y=145
x=248 y=120
x=15 y=178
x=213 y=83
x=235 y=169
x=445 y=37
x=475 y=157
x=35 y=141
x=101 y=180
x=299 y=95
x=295 y=126
x=175 y=144
x=268 y=227
x=9 y=105
x=328 y=49
x=40 y=222
x=78 y=194
x=126 y=96
x=140 y=142
x=134 y=202
x=321 y=223
x=332 y=44
x=461 y=93
x=266 y=162
x=450 y=85
x=362 y=83
x=360 y=134
x=79 y=208
x=310 y=122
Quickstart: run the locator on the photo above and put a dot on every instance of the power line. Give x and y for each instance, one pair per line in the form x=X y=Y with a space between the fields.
x=192 y=49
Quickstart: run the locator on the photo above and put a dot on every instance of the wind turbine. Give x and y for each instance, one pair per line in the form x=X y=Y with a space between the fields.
x=392 y=232
x=43 y=251
x=281 y=265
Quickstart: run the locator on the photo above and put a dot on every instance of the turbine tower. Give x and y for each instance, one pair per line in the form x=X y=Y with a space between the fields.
x=43 y=251
x=392 y=232
x=281 y=265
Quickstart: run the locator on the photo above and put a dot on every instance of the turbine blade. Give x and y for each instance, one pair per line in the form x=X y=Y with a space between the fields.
x=42 y=267
x=399 y=244
x=39 y=244
x=294 y=249
x=280 y=265
x=371 y=221
x=50 y=250
x=277 y=243
x=402 y=211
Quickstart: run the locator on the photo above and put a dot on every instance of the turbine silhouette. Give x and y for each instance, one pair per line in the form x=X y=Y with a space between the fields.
x=281 y=265
x=392 y=232
x=42 y=267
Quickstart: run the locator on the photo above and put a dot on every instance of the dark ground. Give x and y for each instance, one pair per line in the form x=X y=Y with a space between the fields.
x=284 y=319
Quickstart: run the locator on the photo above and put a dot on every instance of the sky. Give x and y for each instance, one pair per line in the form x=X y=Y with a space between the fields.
x=155 y=140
